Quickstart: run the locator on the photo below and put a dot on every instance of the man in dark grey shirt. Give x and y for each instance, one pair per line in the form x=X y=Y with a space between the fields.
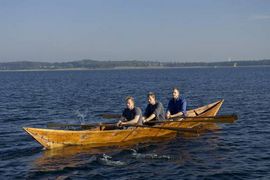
x=131 y=115
x=154 y=109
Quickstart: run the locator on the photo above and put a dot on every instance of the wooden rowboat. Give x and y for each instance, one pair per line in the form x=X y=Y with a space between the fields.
x=51 y=138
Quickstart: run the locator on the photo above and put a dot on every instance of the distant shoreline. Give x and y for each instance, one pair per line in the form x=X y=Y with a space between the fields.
x=89 y=64
x=127 y=68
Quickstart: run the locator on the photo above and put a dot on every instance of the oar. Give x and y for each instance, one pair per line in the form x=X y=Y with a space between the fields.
x=84 y=126
x=210 y=119
x=213 y=119
x=88 y=126
x=165 y=128
x=204 y=119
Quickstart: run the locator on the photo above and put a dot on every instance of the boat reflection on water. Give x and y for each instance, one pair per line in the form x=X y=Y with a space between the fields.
x=70 y=160
x=68 y=157
x=76 y=156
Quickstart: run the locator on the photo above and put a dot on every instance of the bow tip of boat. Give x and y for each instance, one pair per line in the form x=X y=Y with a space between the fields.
x=27 y=129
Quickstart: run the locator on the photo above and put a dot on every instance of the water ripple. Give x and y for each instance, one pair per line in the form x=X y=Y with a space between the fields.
x=238 y=151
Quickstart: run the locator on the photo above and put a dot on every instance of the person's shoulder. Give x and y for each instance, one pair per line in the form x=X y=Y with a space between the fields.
x=137 y=109
x=159 y=103
x=183 y=98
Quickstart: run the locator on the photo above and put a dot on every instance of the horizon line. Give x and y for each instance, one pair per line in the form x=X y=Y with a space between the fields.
x=158 y=61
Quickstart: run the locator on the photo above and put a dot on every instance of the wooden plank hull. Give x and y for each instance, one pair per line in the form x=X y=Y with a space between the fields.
x=51 y=138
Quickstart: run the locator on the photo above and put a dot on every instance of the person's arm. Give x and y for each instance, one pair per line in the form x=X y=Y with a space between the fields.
x=146 y=113
x=168 y=113
x=184 y=107
x=122 y=118
x=177 y=115
x=121 y=121
x=158 y=109
x=133 y=121
x=152 y=116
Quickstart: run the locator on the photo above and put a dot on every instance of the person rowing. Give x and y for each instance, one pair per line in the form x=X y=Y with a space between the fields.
x=177 y=105
x=154 y=109
x=131 y=115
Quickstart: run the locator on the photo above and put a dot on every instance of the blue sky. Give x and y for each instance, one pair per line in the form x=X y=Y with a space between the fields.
x=156 y=30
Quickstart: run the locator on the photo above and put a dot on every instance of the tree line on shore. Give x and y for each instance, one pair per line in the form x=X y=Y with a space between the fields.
x=93 y=64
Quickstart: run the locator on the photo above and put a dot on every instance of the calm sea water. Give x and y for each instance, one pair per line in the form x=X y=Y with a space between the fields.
x=238 y=151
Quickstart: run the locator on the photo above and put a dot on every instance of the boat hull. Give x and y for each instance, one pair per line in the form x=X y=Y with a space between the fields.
x=51 y=138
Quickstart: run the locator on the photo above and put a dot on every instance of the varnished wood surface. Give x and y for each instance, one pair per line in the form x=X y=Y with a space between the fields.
x=51 y=138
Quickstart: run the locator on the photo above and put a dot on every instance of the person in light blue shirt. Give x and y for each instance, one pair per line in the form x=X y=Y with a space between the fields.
x=177 y=105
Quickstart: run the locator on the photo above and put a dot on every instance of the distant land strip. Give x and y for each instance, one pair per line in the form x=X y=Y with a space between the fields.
x=88 y=64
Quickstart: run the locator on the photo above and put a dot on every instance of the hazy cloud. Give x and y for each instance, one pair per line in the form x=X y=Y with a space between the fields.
x=260 y=17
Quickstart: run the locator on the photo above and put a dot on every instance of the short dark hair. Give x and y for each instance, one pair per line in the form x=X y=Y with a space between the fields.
x=151 y=94
x=130 y=98
x=175 y=88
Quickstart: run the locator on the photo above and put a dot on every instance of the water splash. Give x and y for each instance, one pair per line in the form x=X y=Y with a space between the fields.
x=81 y=115
x=106 y=160
x=148 y=156
x=93 y=159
